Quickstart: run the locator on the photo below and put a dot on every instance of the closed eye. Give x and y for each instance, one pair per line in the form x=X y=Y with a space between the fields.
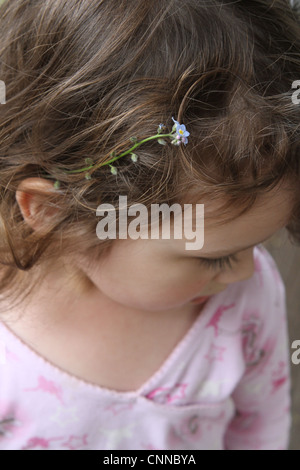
x=219 y=262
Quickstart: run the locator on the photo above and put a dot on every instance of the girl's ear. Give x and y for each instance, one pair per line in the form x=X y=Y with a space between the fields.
x=35 y=208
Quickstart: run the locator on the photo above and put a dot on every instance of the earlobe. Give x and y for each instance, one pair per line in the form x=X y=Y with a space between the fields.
x=31 y=196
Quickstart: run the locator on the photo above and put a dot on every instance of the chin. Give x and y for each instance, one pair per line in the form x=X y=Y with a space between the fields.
x=142 y=303
x=152 y=306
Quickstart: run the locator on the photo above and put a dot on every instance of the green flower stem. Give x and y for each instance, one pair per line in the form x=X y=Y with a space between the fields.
x=157 y=136
x=48 y=176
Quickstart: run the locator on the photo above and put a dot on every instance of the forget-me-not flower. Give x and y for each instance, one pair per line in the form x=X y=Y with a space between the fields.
x=181 y=131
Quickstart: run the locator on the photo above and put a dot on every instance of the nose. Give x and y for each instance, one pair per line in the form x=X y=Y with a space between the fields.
x=242 y=270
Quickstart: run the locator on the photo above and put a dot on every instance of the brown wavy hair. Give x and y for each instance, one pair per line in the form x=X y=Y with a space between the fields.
x=82 y=77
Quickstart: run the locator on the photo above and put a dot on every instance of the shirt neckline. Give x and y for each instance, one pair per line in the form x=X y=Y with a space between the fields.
x=204 y=314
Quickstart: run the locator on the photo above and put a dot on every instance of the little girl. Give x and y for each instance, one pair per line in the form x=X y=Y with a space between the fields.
x=139 y=343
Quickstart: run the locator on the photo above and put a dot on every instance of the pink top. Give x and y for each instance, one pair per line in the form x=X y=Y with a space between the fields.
x=224 y=386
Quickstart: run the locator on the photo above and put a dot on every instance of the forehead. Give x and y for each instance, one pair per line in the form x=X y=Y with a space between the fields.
x=275 y=205
x=270 y=212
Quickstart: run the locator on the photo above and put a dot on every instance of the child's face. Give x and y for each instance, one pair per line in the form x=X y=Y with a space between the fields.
x=161 y=274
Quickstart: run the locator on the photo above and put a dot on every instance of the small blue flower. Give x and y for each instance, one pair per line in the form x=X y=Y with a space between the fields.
x=181 y=131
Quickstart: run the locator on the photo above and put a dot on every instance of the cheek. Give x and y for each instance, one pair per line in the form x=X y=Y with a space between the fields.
x=149 y=287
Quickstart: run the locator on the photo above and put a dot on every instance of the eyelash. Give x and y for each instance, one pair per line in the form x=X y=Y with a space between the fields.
x=219 y=262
